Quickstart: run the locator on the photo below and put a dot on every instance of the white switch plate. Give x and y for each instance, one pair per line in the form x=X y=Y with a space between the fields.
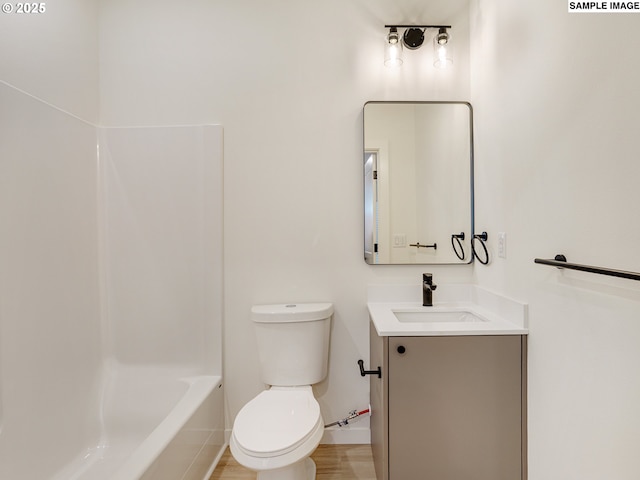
x=399 y=240
x=502 y=245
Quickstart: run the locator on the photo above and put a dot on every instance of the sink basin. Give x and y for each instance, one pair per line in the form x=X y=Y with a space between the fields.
x=425 y=316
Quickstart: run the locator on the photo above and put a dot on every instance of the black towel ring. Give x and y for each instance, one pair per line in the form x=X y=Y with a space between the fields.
x=483 y=238
x=455 y=239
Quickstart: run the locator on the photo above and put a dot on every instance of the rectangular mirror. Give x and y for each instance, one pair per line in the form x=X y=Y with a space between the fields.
x=418 y=182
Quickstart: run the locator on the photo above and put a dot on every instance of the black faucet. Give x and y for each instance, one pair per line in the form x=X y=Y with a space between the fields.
x=427 y=289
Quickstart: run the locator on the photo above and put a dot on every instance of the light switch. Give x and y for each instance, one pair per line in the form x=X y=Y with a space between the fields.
x=502 y=245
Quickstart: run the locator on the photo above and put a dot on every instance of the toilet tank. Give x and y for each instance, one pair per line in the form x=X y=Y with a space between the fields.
x=293 y=342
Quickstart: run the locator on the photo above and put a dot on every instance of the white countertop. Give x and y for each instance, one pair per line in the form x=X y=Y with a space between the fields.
x=387 y=325
x=501 y=315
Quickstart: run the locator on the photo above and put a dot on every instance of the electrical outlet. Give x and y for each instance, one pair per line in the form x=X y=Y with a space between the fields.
x=502 y=245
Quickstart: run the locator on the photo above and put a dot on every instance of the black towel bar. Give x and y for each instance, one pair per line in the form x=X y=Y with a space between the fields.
x=560 y=261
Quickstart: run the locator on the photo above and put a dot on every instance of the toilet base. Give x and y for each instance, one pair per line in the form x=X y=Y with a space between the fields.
x=305 y=469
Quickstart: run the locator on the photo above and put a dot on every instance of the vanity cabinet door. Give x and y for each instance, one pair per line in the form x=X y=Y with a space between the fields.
x=455 y=408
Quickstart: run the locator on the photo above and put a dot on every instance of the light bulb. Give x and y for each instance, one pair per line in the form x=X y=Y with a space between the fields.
x=393 y=49
x=442 y=49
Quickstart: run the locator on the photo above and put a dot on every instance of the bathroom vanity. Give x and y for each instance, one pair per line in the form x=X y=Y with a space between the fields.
x=450 y=403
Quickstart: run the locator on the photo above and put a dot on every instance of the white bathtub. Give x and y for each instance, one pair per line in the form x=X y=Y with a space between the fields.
x=155 y=426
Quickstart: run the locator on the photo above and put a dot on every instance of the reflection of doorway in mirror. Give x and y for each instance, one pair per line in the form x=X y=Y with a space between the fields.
x=377 y=202
x=370 y=207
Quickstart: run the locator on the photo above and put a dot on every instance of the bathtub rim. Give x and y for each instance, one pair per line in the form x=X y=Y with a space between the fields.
x=148 y=451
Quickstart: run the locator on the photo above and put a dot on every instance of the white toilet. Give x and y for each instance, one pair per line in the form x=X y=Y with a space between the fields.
x=276 y=432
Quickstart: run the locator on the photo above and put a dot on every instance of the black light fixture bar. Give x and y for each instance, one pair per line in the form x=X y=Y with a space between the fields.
x=417 y=26
x=413 y=38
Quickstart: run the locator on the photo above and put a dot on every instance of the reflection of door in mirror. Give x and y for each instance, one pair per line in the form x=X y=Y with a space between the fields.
x=376 y=204
x=370 y=207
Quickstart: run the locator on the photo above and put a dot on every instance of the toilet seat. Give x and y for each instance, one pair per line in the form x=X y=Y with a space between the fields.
x=277 y=421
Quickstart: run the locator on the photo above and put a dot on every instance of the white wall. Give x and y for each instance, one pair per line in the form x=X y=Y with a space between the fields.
x=53 y=55
x=556 y=110
x=288 y=80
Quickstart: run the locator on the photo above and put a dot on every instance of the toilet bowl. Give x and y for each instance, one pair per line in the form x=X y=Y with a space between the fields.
x=277 y=431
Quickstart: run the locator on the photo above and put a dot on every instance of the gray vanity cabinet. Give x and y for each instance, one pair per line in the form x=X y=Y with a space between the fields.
x=449 y=407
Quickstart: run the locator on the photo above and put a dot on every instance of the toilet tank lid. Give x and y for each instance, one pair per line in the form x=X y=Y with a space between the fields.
x=291 y=312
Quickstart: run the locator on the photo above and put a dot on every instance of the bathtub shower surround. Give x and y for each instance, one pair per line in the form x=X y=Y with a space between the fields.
x=50 y=330
x=162 y=254
x=110 y=297
x=162 y=249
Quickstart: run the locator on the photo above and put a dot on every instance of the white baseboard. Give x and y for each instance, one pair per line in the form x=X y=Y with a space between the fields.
x=344 y=435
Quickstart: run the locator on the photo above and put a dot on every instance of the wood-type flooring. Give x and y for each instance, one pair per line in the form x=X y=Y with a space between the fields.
x=333 y=462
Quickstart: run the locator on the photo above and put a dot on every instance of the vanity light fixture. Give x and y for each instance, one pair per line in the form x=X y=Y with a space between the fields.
x=413 y=38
